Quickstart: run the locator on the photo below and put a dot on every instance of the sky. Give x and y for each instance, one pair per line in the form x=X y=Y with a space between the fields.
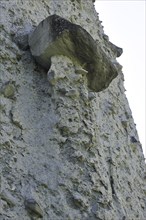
x=124 y=23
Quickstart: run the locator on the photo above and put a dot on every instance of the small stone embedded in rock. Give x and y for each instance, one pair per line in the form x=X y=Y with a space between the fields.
x=58 y=36
x=33 y=207
x=6 y=196
x=9 y=90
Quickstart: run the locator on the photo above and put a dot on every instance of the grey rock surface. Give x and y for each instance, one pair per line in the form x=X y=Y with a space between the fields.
x=72 y=152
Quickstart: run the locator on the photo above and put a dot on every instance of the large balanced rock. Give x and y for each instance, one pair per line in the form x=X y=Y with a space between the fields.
x=57 y=36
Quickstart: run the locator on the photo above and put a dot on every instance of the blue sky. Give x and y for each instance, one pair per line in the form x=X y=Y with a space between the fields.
x=124 y=23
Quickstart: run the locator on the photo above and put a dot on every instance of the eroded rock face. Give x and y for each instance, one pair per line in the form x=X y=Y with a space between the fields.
x=65 y=153
x=57 y=36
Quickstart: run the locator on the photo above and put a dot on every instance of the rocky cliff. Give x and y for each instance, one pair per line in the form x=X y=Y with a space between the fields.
x=68 y=150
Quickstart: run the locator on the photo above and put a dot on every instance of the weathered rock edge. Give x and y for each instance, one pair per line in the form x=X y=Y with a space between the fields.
x=57 y=36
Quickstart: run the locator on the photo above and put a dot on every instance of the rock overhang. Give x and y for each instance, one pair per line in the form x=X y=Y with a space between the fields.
x=58 y=36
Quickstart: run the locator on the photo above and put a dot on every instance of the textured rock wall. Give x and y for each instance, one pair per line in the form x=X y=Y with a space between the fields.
x=66 y=153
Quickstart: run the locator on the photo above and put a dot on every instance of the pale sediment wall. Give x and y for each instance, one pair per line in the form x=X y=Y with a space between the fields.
x=66 y=152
